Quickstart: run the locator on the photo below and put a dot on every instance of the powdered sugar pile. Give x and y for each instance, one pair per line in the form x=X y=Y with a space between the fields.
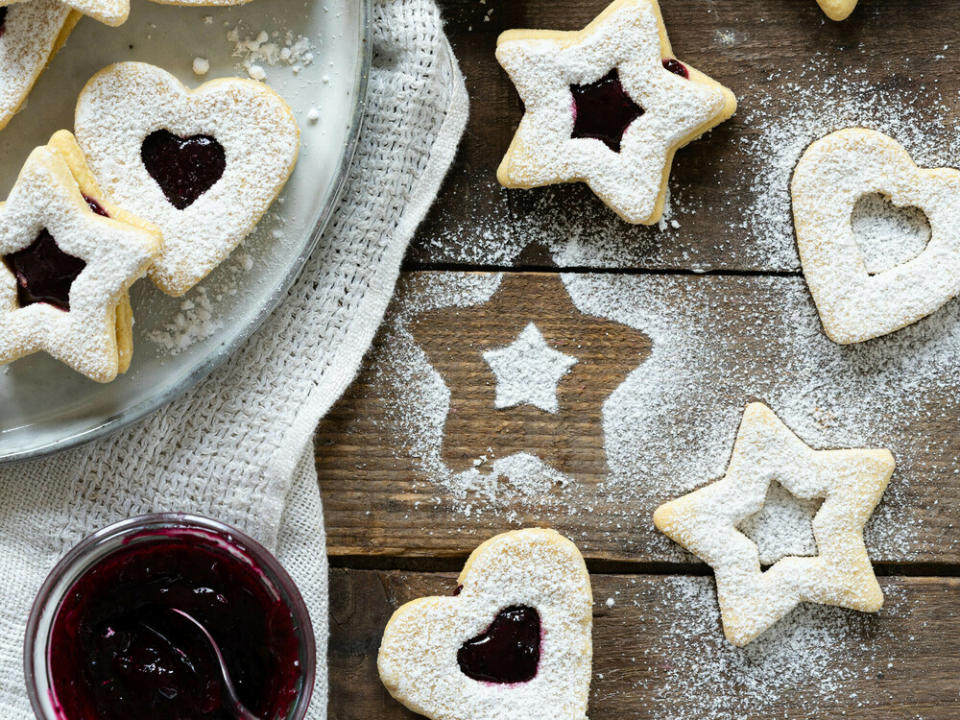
x=284 y=48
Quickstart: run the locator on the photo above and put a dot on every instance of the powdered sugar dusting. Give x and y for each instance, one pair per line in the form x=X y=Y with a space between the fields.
x=670 y=426
x=793 y=670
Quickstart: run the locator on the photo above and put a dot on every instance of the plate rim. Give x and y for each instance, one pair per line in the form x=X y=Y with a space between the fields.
x=116 y=422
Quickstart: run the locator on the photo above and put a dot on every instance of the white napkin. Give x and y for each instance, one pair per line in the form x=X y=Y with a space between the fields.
x=238 y=447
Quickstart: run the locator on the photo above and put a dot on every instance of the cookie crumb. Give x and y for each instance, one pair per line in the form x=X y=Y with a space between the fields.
x=201 y=66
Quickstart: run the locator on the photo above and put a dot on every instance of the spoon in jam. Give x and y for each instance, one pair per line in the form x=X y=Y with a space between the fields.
x=236 y=706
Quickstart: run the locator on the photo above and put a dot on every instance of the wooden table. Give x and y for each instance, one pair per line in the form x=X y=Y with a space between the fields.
x=399 y=528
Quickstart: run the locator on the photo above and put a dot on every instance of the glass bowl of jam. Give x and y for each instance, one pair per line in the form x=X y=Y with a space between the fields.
x=103 y=642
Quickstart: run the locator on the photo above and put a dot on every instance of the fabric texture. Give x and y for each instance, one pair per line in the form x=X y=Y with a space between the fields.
x=238 y=446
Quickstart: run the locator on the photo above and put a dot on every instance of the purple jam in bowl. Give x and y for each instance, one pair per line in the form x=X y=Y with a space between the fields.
x=103 y=644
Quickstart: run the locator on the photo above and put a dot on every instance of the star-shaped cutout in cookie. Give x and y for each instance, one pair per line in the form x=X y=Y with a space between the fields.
x=484 y=425
x=65 y=270
x=838 y=9
x=618 y=77
x=528 y=371
x=851 y=483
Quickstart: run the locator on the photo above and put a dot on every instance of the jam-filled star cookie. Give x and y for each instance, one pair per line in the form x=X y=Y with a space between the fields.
x=68 y=259
x=30 y=35
x=514 y=641
x=203 y=165
x=706 y=522
x=609 y=106
x=838 y=9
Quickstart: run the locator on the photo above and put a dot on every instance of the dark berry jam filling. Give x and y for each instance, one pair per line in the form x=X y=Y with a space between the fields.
x=506 y=652
x=184 y=167
x=3 y=20
x=676 y=67
x=602 y=110
x=117 y=652
x=44 y=272
x=95 y=206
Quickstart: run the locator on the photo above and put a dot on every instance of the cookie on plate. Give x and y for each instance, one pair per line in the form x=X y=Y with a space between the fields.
x=30 y=35
x=109 y=12
x=838 y=9
x=68 y=259
x=609 y=106
x=513 y=642
x=203 y=165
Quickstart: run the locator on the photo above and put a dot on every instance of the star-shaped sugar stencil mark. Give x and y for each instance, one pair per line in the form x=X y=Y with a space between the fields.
x=528 y=371
x=569 y=439
x=705 y=522
x=46 y=197
x=629 y=173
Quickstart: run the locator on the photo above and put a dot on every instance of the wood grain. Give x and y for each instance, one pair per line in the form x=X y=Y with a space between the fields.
x=897 y=53
x=724 y=342
x=657 y=655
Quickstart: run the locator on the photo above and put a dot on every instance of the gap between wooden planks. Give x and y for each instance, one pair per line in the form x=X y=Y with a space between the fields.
x=902 y=662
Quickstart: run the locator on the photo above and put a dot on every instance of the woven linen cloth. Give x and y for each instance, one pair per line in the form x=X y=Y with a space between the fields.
x=238 y=446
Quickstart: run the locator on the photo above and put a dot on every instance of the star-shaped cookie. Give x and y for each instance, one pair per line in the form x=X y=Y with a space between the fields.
x=838 y=9
x=68 y=259
x=609 y=106
x=851 y=483
x=481 y=427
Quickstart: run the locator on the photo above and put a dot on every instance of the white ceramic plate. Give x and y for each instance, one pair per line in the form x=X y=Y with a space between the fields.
x=44 y=406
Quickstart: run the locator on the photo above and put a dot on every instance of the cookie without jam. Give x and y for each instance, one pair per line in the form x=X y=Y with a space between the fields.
x=706 y=521
x=832 y=175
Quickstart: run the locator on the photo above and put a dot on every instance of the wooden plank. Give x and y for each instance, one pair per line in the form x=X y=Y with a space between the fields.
x=659 y=653
x=893 y=66
x=407 y=458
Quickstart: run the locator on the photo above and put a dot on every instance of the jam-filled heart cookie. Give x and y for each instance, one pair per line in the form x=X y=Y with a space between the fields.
x=203 y=165
x=68 y=259
x=855 y=303
x=608 y=106
x=706 y=522
x=838 y=9
x=30 y=34
x=514 y=642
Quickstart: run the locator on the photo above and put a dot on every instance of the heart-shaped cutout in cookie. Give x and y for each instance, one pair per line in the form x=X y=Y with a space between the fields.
x=184 y=168
x=515 y=641
x=831 y=177
x=506 y=652
x=203 y=165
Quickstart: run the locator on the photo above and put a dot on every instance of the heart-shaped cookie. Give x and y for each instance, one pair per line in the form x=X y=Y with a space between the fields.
x=30 y=34
x=203 y=165
x=833 y=174
x=514 y=642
